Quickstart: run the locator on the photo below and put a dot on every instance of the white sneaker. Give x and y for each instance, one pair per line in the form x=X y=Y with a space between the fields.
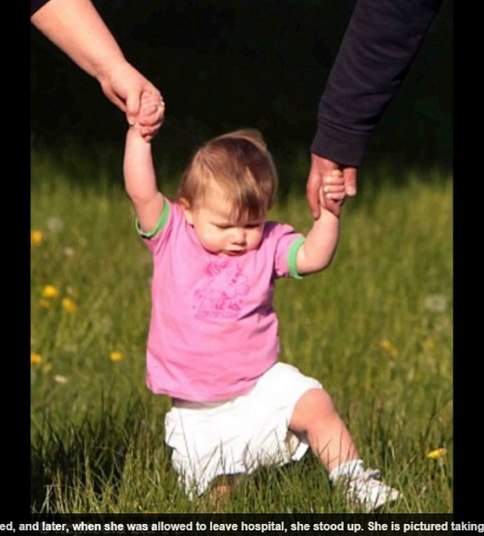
x=366 y=490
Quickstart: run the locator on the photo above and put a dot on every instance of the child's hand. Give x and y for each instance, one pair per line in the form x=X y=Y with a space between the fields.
x=151 y=115
x=332 y=192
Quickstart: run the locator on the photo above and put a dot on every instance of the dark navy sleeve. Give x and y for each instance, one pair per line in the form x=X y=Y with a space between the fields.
x=379 y=45
x=35 y=5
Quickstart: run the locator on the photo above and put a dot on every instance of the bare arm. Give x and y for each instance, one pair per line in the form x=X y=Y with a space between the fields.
x=77 y=29
x=317 y=251
x=139 y=173
x=320 y=245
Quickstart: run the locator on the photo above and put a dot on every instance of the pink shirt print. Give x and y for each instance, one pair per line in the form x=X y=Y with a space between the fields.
x=220 y=293
x=213 y=330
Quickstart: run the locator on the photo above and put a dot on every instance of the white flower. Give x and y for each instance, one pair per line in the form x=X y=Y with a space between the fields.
x=55 y=224
x=435 y=303
x=60 y=379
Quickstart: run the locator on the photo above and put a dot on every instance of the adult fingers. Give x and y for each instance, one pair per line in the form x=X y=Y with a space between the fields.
x=351 y=181
x=312 y=193
x=133 y=100
x=113 y=96
x=320 y=168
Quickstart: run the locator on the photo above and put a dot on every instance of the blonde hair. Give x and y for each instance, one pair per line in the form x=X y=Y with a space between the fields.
x=241 y=165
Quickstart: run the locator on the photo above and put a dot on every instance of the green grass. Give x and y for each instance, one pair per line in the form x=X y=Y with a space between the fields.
x=375 y=328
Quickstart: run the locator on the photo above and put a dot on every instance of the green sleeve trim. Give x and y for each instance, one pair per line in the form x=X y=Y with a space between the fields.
x=292 y=257
x=165 y=213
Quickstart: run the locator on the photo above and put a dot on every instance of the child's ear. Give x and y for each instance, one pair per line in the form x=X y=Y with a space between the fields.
x=187 y=210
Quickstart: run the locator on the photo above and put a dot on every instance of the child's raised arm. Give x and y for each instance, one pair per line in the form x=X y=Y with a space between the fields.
x=139 y=173
x=319 y=247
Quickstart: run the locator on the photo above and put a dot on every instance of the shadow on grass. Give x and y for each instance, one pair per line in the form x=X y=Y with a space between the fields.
x=90 y=456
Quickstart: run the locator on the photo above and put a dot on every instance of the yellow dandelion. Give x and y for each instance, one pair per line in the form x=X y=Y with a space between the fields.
x=36 y=237
x=47 y=368
x=49 y=292
x=388 y=346
x=69 y=305
x=116 y=356
x=35 y=358
x=437 y=453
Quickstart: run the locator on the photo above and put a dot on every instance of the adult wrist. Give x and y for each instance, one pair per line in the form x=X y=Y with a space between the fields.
x=103 y=71
x=347 y=148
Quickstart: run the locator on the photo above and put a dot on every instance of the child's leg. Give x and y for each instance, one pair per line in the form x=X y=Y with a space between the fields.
x=328 y=437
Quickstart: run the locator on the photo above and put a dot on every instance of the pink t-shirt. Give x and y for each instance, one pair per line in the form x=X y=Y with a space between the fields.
x=213 y=330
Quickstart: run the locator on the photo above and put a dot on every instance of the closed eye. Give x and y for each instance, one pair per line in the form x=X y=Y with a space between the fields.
x=229 y=225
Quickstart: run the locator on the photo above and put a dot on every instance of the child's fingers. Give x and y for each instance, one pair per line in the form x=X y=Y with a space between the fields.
x=334 y=189
x=150 y=96
x=152 y=108
x=333 y=206
x=335 y=196
x=151 y=115
x=333 y=179
x=332 y=193
x=152 y=103
x=154 y=119
x=336 y=173
x=149 y=132
x=151 y=123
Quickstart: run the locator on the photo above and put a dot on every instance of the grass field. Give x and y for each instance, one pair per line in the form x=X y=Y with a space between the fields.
x=375 y=328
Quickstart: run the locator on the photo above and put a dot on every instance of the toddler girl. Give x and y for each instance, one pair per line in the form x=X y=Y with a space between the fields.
x=213 y=340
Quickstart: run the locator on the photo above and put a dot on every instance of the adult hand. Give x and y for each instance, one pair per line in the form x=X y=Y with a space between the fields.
x=123 y=86
x=76 y=28
x=322 y=167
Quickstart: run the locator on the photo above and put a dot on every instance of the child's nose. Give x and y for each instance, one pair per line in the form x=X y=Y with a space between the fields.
x=238 y=236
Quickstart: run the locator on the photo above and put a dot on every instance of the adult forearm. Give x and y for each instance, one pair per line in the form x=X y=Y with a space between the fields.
x=91 y=46
x=380 y=43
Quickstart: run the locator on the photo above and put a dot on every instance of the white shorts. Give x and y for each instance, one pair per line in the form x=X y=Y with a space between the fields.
x=239 y=435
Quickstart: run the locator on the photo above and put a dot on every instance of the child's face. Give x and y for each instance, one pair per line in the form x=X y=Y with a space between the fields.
x=216 y=228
